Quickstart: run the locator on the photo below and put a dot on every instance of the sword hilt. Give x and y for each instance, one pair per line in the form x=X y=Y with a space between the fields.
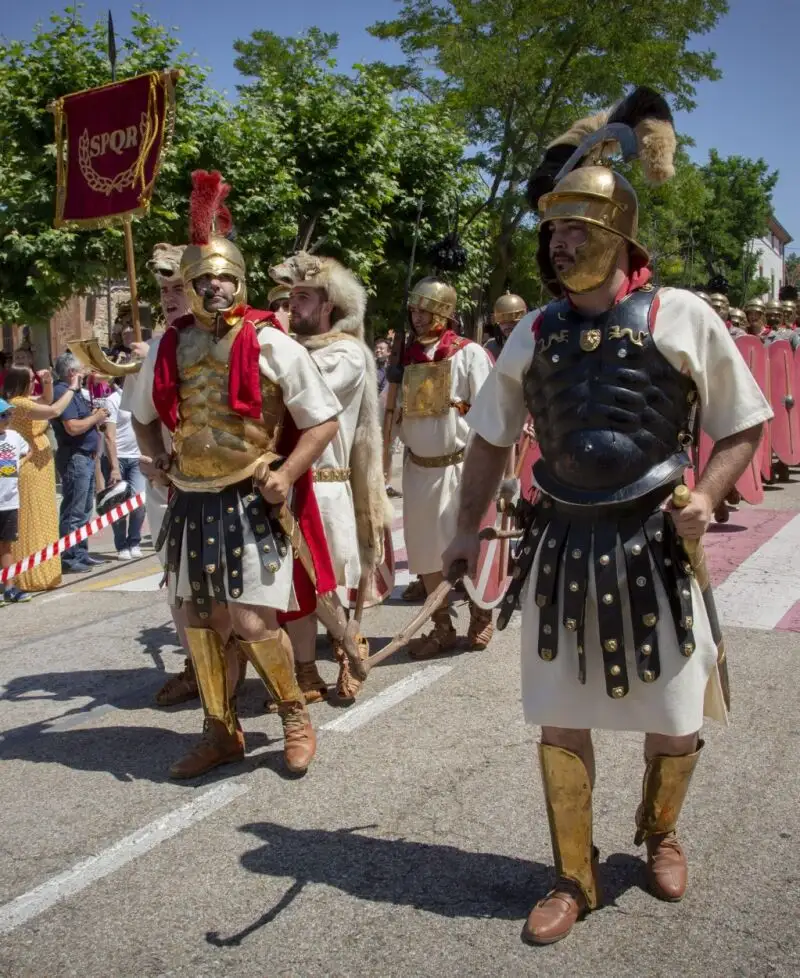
x=681 y=497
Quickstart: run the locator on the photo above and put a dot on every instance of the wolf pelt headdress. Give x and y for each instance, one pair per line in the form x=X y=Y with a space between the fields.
x=165 y=263
x=373 y=510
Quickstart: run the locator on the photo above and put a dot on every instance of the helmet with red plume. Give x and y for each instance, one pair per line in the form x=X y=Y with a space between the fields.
x=210 y=252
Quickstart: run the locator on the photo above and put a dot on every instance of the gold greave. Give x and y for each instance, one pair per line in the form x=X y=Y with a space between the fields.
x=664 y=788
x=272 y=660
x=568 y=793
x=210 y=668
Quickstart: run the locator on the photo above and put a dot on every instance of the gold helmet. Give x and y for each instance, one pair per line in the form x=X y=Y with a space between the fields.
x=737 y=316
x=586 y=191
x=281 y=293
x=436 y=297
x=210 y=252
x=509 y=309
x=720 y=304
x=702 y=295
x=754 y=305
x=789 y=310
x=772 y=312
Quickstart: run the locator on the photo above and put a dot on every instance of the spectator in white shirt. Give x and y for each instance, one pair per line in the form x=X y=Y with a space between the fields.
x=122 y=463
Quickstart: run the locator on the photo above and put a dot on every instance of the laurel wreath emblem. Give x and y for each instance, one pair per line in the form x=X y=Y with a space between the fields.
x=107 y=185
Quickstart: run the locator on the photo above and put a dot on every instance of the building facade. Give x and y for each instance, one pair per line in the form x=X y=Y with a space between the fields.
x=769 y=254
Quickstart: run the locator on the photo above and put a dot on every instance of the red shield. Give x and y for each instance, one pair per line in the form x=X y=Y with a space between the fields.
x=527 y=453
x=782 y=390
x=489 y=585
x=755 y=356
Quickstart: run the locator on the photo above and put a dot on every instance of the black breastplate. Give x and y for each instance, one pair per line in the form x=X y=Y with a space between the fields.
x=613 y=417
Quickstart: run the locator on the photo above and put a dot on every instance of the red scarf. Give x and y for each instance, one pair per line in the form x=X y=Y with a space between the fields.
x=306 y=510
x=449 y=343
x=244 y=383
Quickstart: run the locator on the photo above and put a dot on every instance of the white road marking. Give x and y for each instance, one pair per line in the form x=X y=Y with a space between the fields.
x=29 y=905
x=750 y=597
x=357 y=716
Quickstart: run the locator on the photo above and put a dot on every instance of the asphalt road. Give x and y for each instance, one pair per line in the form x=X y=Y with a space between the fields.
x=415 y=845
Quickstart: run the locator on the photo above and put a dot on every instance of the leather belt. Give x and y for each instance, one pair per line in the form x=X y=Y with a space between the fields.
x=437 y=461
x=331 y=475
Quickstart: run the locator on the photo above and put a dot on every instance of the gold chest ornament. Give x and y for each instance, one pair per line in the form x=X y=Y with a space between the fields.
x=427 y=389
x=214 y=446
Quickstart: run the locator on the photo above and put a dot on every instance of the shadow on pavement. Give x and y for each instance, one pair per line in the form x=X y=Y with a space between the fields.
x=439 y=879
x=436 y=878
x=135 y=753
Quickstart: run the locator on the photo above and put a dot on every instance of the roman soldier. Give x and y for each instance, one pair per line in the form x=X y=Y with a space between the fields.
x=754 y=312
x=245 y=550
x=773 y=314
x=738 y=322
x=326 y=307
x=508 y=310
x=615 y=373
x=278 y=303
x=719 y=303
x=442 y=374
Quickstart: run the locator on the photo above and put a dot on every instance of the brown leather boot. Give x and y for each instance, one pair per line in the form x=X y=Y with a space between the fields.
x=480 y=629
x=348 y=685
x=664 y=789
x=272 y=660
x=568 y=793
x=555 y=915
x=299 y=739
x=667 y=868
x=180 y=688
x=442 y=638
x=222 y=741
x=415 y=591
x=216 y=746
x=721 y=514
x=314 y=687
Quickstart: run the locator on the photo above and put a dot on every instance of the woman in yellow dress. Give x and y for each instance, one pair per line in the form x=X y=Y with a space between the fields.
x=38 y=513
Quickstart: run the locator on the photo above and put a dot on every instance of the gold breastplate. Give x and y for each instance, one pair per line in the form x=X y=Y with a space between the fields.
x=214 y=446
x=426 y=389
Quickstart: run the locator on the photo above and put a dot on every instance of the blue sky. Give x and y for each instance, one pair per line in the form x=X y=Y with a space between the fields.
x=753 y=111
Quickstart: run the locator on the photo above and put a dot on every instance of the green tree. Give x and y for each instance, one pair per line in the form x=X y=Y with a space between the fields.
x=516 y=74
x=737 y=209
x=361 y=160
x=41 y=267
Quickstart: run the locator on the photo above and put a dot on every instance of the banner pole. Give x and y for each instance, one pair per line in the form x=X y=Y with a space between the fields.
x=130 y=261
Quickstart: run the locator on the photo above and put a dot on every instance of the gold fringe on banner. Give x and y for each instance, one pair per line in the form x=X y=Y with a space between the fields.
x=154 y=128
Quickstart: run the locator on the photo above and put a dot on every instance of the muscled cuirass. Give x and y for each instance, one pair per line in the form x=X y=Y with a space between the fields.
x=613 y=417
x=214 y=446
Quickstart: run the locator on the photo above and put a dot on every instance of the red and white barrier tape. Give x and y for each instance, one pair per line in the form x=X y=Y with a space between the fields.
x=76 y=536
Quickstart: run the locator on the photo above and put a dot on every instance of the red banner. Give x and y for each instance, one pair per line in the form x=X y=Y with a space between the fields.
x=109 y=142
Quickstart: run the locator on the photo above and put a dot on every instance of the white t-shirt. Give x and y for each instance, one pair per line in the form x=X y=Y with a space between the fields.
x=13 y=448
x=127 y=446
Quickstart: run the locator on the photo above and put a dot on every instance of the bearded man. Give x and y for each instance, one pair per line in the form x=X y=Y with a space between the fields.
x=615 y=633
x=442 y=374
x=249 y=414
x=326 y=308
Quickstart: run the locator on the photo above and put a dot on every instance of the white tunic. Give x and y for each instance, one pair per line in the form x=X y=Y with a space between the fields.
x=693 y=339
x=137 y=397
x=430 y=496
x=310 y=402
x=343 y=365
